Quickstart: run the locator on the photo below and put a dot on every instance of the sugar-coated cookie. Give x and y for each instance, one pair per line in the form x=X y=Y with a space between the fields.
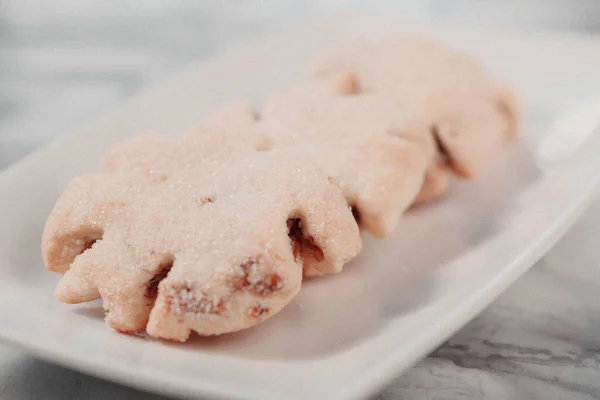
x=212 y=246
x=447 y=93
x=351 y=138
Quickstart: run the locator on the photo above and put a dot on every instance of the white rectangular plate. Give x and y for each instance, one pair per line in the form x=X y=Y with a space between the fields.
x=346 y=335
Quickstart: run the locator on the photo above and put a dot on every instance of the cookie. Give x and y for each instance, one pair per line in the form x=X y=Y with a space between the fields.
x=212 y=246
x=467 y=115
x=378 y=173
x=351 y=138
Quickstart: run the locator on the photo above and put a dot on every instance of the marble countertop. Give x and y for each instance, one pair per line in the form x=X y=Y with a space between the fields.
x=62 y=61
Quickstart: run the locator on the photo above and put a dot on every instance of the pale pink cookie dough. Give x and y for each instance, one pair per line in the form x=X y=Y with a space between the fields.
x=212 y=246
x=467 y=115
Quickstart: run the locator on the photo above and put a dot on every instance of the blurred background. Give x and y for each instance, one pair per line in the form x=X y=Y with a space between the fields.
x=62 y=61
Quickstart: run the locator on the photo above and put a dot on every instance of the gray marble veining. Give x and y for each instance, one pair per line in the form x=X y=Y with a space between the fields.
x=63 y=61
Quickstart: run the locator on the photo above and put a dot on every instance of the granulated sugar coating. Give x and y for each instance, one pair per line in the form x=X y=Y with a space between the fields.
x=444 y=92
x=206 y=247
x=350 y=136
